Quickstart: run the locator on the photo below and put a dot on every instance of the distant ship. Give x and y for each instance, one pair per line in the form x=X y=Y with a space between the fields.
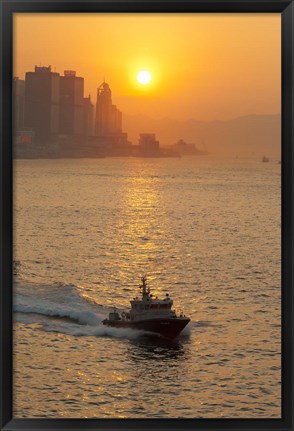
x=265 y=159
x=149 y=314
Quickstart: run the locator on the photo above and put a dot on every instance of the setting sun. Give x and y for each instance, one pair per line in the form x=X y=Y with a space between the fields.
x=144 y=77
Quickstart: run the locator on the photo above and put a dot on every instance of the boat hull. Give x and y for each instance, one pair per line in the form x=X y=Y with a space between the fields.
x=168 y=328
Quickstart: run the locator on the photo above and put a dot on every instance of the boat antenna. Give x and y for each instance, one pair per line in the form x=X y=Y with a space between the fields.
x=144 y=285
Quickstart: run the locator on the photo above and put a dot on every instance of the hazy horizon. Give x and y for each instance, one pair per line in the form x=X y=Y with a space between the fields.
x=258 y=135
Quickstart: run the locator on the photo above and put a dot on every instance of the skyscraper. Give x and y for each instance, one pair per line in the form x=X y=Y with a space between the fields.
x=71 y=104
x=18 y=89
x=88 y=117
x=42 y=104
x=108 y=117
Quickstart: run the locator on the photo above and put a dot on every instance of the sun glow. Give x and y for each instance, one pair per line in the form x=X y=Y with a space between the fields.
x=144 y=77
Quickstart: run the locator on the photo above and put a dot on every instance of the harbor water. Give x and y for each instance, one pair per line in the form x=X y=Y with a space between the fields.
x=205 y=230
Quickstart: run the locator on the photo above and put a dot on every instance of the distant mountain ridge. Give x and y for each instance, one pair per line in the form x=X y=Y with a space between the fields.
x=243 y=136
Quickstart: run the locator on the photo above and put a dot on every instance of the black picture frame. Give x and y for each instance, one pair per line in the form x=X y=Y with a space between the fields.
x=8 y=8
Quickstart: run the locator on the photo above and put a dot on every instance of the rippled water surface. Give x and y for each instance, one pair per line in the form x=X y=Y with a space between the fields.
x=205 y=230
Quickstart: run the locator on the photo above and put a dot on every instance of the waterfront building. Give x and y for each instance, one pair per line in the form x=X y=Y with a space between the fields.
x=148 y=144
x=88 y=116
x=71 y=112
x=18 y=97
x=42 y=94
x=108 y=118
x=108 y=124
x=185 y=149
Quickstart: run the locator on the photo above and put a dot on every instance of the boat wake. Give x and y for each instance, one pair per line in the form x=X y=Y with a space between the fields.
x=64 y=309
x=95 y=331
x=49 y=309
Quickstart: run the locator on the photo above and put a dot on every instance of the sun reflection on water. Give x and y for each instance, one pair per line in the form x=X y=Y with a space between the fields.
x=142 y=225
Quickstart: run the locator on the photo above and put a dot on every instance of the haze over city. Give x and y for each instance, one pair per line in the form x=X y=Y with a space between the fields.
x=206 y=72
x=203 y=66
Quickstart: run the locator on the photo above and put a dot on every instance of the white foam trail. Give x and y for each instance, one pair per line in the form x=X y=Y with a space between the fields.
x=47 y=308
x=84 y=322
x=97 y=331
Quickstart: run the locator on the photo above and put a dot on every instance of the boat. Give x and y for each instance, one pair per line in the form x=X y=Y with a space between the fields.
x=149 y=314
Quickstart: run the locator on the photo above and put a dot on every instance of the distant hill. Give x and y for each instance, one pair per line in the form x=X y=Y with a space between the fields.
x=244 y=136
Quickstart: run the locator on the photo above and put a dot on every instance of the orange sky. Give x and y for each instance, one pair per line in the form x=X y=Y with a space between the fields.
x=203 y=66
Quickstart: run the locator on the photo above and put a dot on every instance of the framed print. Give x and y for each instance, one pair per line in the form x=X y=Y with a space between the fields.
x=146 y=215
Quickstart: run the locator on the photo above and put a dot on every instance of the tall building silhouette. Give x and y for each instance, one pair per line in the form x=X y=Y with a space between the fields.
x=88 y=116
x=18 y=89
x=42 y=103
x=71 y=104
x=108 y=118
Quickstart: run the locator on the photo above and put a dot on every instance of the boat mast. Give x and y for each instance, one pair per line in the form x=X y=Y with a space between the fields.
x=145 y=290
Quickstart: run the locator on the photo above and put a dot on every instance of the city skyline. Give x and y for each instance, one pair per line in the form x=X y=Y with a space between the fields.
x=203 y=66
x=53 y=118
x=52 y=109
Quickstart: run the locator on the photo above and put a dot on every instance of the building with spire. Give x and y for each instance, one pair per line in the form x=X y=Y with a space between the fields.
x=108 y=117
x=108 y=121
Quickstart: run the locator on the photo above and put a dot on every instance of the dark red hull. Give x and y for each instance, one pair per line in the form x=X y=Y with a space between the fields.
x=168 y=328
